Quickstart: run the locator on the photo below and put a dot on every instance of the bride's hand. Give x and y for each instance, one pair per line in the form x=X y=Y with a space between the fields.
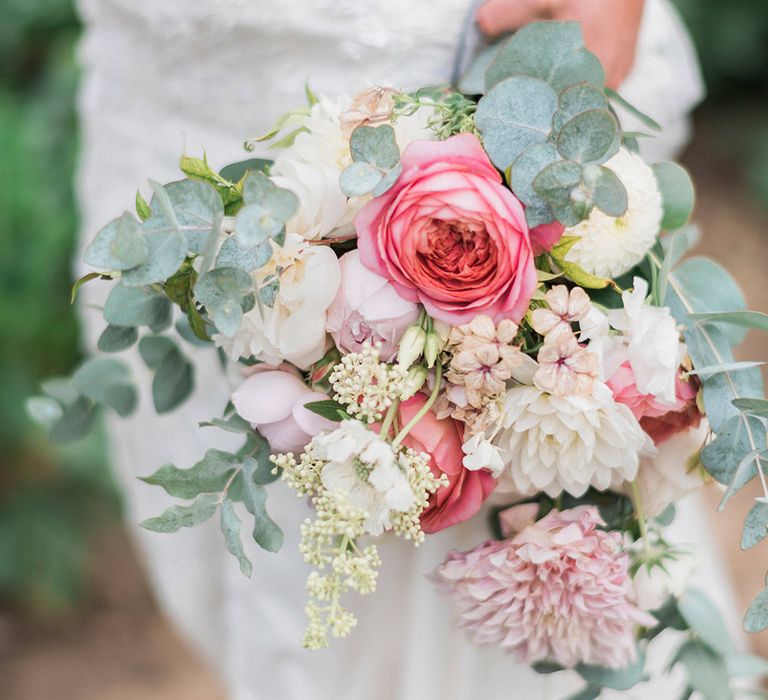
x=610 y=26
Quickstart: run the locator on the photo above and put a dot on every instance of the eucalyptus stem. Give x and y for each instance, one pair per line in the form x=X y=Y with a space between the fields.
x=387 y=422
x=637 y=502
x=423 y=410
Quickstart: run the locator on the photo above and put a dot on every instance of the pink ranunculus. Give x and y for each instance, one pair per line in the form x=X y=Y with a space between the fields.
x=660 y=420
x=442 y=440
x=560 y=591
x=272 y=401
x=367 y=309
x=450 y=235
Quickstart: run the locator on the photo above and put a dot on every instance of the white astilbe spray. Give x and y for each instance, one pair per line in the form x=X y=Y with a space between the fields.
x=358 y=485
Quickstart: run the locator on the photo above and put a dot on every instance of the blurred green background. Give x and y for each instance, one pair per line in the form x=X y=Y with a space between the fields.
x=53 y=500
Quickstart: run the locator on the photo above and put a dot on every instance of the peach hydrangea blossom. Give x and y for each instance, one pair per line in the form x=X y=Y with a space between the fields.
x=560 y=591
x=565 y=367
x=564 y=309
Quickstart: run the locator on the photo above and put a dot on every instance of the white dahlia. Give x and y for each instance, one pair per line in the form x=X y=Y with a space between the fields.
x=568 y=443
x=611 y=246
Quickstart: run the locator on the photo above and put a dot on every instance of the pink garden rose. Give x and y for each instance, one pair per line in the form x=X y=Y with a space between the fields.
x=449 y=235
x=442 y=440
x=272 y=401
x=560 y=591
x=660 y=420
x=367 y=309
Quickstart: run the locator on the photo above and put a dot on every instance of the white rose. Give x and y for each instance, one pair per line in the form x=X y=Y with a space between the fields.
x=656 y=583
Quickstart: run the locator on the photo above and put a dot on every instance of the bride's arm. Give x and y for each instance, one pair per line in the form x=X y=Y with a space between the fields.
x=610 y=26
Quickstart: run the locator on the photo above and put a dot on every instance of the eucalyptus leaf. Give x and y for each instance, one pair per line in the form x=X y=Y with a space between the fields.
x=740 y=436
x=551 y=51
x=724 y=367
x=167 y=251
x=610 y=196
x=514 y=115
x=677 y=194
x=755 y=526
x=209 y=475
x=376 y=145
x=107 y=381
x=618 y=679
x=627 y=106
x=173 y=382
x=590 y=137
x=591 y=692
x=744 y=473
x=755 y=407
x=268 y=292
x=44 y=410
x=576 y=99
x=232 y=424
x=153 y=348
x=232 y=254
x=230 y=526
x=227 y=317
x=136 y=306
x=256 y=224
x=176 y=517
x=234 y=172
x=748 y=319
x=746 y=665
x=117 y=338
x=76 y=422
x=359 y=178
x=223 y=284
x=266 y=532
x=756 y=619
x=705 y=620
x=61 y=389
x=118 y=246
x=705 y=670
x=555 y=185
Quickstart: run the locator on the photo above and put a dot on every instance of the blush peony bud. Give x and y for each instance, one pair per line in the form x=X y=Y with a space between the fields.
x=432 y=348
x=414 y=380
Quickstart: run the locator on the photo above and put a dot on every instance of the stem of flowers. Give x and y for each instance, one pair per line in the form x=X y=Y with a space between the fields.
x=423 y=410
x=637 y=501
x=387 y=422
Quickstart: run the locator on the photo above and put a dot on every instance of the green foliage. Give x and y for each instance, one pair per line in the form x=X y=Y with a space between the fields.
x=266 y=210
x=376 y=161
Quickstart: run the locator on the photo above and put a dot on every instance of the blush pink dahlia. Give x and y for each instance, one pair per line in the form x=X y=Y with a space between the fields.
x=558 y=591
x=449 y=235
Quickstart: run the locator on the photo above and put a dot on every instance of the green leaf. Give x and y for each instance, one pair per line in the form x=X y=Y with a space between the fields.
x=748 y=319
x=551 y=51
x=255 y=225
x=755 y=526
x=705 y=670
x=120 y=245
x=618 y=679
x=744 y=473
x=232 y=254
x=555 y=184
x=268 y=208
x=473 y=80
x=724 y=367
x=674 y=251
x=77 y=421
x=174 y=381
x=209 y=475
x=234 y=172
x=84 y=280
x=232 y=424
x=609 y=193
x=591 y=692
x=191 y=335
x=514 y=115
x=359 y=178
x=332 y=410
x=644 y=118
x=61 y=389
x=740 y=436
x=117 y=338
x=255 y=455
x=266 y=532
x=576 y=99
x=167 y=251
x=136 y=306
x=590 y=137
x=705 y=620
x=44 y=410
x=176 y=517
x=223 y=292
x=153 y=348
x=756 y=619
x=230 y=526
x=755 y=407
x=142 y=208
x=677 y=195
x=376 y=145
x=522 y=174
x=190 y=208
x=107 y=381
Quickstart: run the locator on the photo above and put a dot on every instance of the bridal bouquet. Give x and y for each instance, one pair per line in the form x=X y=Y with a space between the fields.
x=449 y=304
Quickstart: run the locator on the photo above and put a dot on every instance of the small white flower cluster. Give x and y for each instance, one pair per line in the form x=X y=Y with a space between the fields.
x=367 y=386
x=358 y=486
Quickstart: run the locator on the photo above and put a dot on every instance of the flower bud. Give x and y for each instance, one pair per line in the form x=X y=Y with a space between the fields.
x=432 y=348
x=411 y=345
x=414 y=380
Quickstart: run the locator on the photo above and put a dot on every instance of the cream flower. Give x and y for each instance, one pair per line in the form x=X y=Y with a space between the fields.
x=655 y=582
x=611 y=246
x=568 y=443
x=293 y=329
x=481 y=453
x=363 y=468
x=565 y=367
x=564 y=309
x=311 y=167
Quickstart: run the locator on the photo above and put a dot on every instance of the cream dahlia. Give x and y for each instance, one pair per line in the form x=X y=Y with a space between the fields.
x=568 y=443
x=610 y=246
x=558 y=591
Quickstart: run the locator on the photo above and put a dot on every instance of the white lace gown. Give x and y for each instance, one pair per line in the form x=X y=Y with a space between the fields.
x=165 y=78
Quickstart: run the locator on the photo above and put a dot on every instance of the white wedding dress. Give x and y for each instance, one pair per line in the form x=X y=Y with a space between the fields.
x=166 y=77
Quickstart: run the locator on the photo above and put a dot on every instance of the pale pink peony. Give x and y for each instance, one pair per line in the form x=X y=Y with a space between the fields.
x=660 y=420
x=558 y=591
x=450 y=235
x=272 y=401
x=368 y=310
x=442 y=441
